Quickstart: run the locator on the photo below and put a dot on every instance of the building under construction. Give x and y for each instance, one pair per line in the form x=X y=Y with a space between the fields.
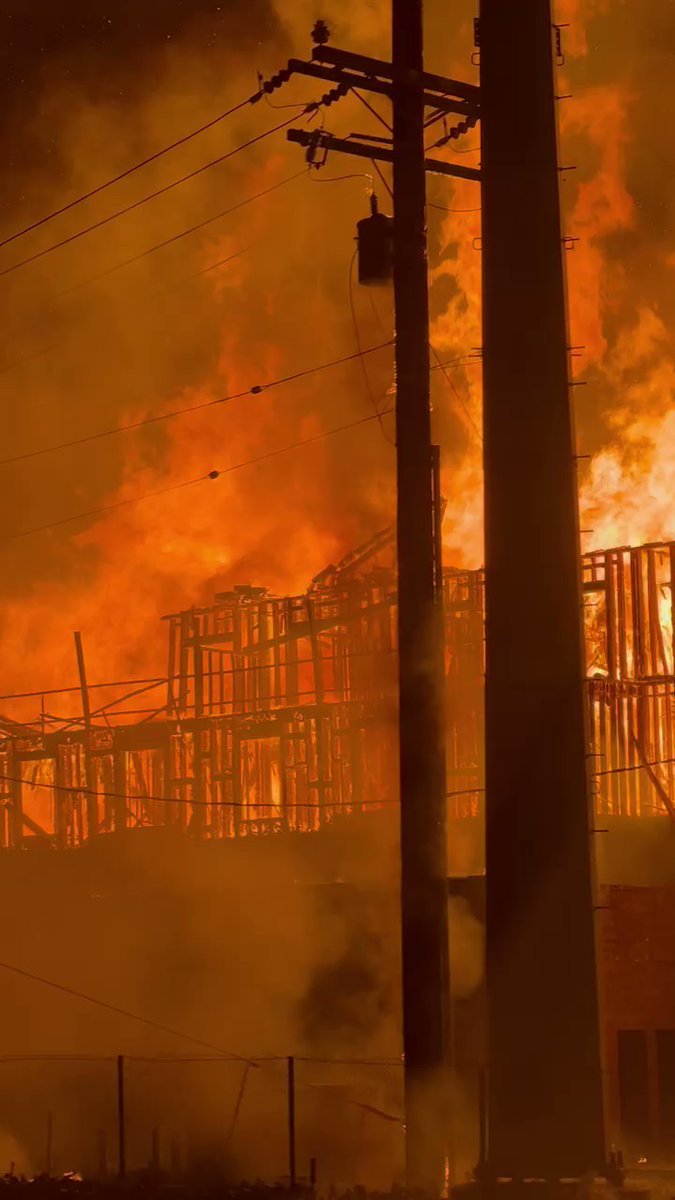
x=280 y=712
x=277 y=716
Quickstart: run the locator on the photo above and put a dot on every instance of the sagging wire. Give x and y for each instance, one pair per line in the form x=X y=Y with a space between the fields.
x=357 y=337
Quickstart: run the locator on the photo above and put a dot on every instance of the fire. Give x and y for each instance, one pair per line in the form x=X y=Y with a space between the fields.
x=281 y=305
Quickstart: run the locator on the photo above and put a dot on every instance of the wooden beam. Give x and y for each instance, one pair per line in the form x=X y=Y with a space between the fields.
x=370 y=84
x=365 y=150
x=378 y=67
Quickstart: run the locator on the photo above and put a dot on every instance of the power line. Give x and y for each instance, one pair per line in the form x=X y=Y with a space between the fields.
x=94 y=512
x=121 y=212
x=279 y=808
x=215 y=474
x=467 y=150
x=121 y=1012
x=224 y=1054
x=176 y=237
x=443 y=368
x=442 y=208
x=156 y=680
x=129 y=171
x=383 y=177
x=446 y=142
x=371 y=109
x=150 y=250
x=255 y=390
x=338 y=178
x=170 y=1059
x=147 y=797
x=659 y=762
x=357 y=337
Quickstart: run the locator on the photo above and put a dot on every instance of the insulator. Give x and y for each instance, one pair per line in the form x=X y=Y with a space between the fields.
x=320 y=33
x=277 y=81
x=335 y=94
x=317 y=148
x=375 y=239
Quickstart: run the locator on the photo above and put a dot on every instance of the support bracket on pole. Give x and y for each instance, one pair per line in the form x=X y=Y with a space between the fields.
x=380 y=154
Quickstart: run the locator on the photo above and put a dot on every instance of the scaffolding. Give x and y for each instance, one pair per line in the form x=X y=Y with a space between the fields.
x=281 y=712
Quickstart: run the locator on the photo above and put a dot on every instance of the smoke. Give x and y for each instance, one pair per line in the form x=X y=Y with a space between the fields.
x=158 y=335
x=263 y=970
x=466 y=949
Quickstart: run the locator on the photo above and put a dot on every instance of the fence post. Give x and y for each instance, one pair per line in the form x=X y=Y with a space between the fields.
x=291 y=1120
x=102 y=1154
x=156 y=1151
x=50 y=1133
x=482 y=1120
x=121 y=1128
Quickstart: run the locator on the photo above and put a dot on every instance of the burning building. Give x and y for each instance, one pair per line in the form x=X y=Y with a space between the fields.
x=279 y=712
x=279 y=717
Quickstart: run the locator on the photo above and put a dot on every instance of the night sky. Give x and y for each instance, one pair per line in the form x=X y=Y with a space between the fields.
x=106 y=50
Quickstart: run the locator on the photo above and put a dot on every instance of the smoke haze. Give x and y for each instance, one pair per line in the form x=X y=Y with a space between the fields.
x=87 y=89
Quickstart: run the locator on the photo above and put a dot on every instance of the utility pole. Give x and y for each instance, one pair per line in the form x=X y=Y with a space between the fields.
x=424 y=893
x=545 y=1112
x=424 y=898
x=544 y=1089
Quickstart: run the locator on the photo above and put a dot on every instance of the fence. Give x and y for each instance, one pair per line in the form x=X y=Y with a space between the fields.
x=294 y=1121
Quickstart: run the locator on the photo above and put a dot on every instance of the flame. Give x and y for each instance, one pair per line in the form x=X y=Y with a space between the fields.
x=279 y=306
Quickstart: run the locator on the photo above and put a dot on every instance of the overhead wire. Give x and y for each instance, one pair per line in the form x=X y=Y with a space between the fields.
x=121 y=212
x=158 y=680
x=237 y=1106
x=255 y=390
x=76 y=687
x=177 y=237
x=429 y=203
x=265 y=96
x=269 y=1061
x=443 y=208
x=171 y=1059
x=151 y=250
x=464 y=360
x=372 y=110
x=383 y=177
x=357 y=337
x=466 y=150
x=129 y=171
x=277 y=807
x=95 y=512
x=119 y=1011
x=338 y=178
x=455 y=390
x=444 y=142
x=186 y=483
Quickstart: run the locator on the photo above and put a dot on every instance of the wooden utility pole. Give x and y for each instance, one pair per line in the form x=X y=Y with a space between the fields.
x=424 y=899
x=544 y=1084
x=424 y=896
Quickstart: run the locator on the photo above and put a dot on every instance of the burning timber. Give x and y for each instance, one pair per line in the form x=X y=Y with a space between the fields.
x=280 y=712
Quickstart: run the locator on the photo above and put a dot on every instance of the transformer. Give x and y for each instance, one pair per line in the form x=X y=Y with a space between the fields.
x=375 y=238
